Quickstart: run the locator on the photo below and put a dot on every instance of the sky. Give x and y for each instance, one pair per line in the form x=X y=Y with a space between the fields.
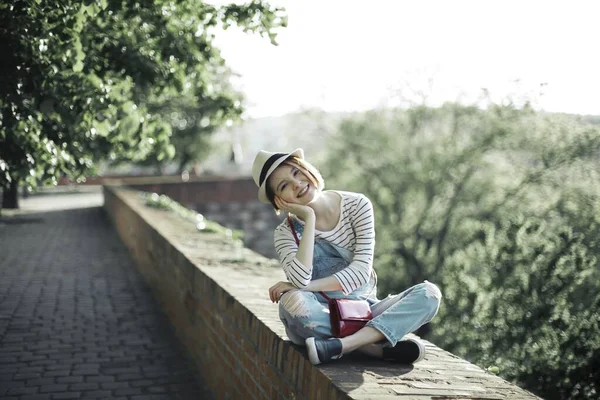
x=356 y=55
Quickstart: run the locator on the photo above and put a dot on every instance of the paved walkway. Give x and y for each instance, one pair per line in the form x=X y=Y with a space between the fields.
x=76 y=319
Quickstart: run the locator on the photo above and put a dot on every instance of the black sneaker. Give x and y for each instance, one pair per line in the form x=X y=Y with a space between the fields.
x=407 y=351
x=323 y=350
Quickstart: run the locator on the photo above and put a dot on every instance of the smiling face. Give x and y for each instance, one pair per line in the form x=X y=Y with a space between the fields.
x=291 y=183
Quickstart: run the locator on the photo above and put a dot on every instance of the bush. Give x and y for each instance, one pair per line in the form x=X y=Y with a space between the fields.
x=501 y=208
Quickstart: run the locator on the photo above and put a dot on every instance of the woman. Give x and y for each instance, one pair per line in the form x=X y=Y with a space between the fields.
x=334 y=254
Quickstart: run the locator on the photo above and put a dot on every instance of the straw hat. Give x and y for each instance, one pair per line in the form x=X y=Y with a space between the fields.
x=265 y=163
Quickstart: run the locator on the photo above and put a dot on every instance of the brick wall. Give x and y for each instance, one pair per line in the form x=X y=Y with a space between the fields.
x=215 y=295
x=232 y=202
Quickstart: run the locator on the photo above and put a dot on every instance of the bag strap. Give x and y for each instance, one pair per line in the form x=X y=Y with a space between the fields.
x=292 y=226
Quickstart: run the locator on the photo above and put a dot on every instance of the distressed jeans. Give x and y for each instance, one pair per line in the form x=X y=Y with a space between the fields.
x=306 y=314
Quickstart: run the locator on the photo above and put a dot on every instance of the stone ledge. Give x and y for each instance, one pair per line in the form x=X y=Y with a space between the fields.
x=216 y=295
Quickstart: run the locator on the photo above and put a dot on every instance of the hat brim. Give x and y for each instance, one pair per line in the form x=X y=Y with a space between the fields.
x=262 y=190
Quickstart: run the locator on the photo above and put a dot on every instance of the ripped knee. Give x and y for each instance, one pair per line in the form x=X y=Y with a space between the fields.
x=295 y=303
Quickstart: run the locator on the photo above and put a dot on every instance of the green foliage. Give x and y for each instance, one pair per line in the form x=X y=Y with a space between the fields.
x=501 y=208
x=92 y=80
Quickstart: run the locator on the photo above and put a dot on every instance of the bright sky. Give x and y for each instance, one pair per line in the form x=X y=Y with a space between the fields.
x=343 y=55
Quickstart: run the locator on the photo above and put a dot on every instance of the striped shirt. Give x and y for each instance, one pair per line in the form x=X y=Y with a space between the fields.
x=354 y=231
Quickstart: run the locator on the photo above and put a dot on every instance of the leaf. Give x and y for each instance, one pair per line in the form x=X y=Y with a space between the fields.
x=493 y=370
x=78 y=66
x=129 y=125
x=102 y=128
x=170 y=151
x=95 y=80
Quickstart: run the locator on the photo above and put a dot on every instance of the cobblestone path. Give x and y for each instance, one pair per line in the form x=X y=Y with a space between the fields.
x=76 y=319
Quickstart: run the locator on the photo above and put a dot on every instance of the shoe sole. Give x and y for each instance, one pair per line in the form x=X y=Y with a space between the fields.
x=312 y=351
x=421 y=349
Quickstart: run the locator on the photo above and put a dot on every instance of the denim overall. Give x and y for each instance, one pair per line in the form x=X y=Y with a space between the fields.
x=306 y=314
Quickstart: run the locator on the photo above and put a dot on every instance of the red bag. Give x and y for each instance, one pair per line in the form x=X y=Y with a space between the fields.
x=347 y=316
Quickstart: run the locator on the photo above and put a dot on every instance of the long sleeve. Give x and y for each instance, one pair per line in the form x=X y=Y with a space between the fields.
x=285 y=246
x=362 y=223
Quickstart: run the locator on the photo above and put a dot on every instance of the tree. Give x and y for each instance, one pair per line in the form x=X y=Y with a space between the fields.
x=192 y=122
x=87 y=81
x=500 y=207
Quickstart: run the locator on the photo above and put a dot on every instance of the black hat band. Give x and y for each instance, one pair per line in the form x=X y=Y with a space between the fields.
x=267 y=166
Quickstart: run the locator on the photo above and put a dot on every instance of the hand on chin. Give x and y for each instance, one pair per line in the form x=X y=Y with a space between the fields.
x=297 y=207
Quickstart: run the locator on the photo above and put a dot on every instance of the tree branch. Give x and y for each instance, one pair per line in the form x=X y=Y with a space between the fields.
x=411 y=259
x=446 y=226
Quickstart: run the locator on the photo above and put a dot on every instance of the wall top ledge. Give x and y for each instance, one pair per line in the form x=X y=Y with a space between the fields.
x=246 y=276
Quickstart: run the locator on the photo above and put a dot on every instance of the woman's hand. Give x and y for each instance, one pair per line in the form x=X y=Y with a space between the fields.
x=278 y=289
x=302 y=211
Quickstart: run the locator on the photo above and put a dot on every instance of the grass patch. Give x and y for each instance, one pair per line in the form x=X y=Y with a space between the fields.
x=202 y=224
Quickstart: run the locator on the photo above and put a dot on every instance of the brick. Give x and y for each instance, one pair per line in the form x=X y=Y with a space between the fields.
x=84 y=386
x=156 y=374
x=46 y=351
x=70 y=361
x=22 y=390
x=30 y=358
x=141 y=383
x=69 y=379
x=14 y=339
x=156 y=389
x=66 y=396
x=323 y=386
x=39 y=381
x=31 y=369
x=6 y=377
x=117 y=371
x=129 y=377
x=115 y=385
x=53 y=388
x=89 y=366
x=43 y=362
x=57 y=367
x=99 y=378
x=97 y=360
x=25 y=376
x=43 y=396
x=131 y=358
x=10 y=349
x=84 y=372
x=63 y=372
x=128 y=391
x=60 y=355
x=9 y=368
x=97 y=394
